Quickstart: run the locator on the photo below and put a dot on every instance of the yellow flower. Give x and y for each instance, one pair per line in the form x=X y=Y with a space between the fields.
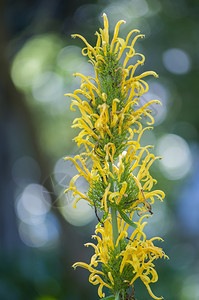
x=120 y=270
x=140 y=253
x=113 y=94
x=101 y=256
x=133 y=181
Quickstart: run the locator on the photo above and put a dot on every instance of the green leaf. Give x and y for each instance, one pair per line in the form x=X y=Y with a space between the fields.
x=126 y=218
x=117 y=296
x=112 y=297
x=102 y=221
x=104 y=216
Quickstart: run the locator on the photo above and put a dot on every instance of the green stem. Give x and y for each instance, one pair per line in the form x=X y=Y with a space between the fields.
x=114 y=224
x=117 y=296
x=114 y=214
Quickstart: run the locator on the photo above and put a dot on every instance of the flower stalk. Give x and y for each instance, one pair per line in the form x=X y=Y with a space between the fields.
x=120 y=184
x=114 y=214
x=114 y=224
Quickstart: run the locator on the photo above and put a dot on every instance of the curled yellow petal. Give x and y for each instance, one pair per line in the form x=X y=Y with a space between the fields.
x=106 y=29
x=151 y=293
x=116 y=31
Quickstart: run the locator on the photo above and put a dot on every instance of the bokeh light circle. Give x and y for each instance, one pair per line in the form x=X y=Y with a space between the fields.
x=125 y=10
x=176 y=61
x=177 y=159
x=45 y=234
x=33 y=204
x=84 y=213
x=48 y=87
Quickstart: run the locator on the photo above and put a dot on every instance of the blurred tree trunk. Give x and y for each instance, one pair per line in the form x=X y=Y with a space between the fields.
x=9 y=238
x=18 y=138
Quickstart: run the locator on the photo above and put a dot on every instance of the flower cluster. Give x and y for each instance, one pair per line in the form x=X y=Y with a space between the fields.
x=119 y=179
x=120 y=269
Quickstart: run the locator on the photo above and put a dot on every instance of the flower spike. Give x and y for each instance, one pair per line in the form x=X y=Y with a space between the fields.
x=118 y=173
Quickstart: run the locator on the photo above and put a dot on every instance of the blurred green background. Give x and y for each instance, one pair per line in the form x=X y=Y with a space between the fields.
x=41 y=235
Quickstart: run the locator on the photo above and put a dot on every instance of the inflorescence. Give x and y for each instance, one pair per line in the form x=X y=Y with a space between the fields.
x=120 y=183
